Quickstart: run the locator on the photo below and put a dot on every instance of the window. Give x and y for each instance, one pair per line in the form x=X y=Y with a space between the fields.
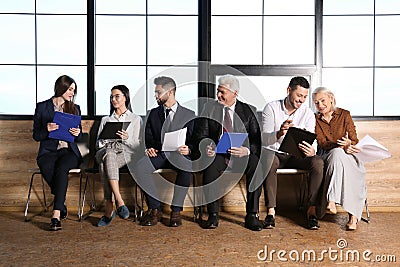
x=133 y=47
x=263 y=32
x=130 y=46
x=38 y=49
x=348 y=46
x=361 y=61
x=267 y=41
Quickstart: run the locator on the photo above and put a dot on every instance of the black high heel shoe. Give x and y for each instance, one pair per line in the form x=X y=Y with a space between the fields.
x=55 y=224
x=64 y=213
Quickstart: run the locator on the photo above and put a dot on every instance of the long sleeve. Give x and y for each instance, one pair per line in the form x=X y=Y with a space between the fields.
x=254 y=133
x=329 y=133
x=274 y=114
x=351 y=129
x=134 y=131
x=152 y=131
x=40 y=132
x=101 y=142
x=268 y=126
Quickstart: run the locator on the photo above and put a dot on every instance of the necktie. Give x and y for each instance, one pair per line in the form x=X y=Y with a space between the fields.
x=167 y=111
x=167 y=123
x=227 y=125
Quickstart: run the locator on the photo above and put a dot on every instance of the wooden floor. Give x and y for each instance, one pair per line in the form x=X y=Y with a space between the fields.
x=125 y=243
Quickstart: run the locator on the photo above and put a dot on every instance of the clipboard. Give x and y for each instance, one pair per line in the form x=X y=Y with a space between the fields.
x=111 y=128
x=65 y=121
x=229 y=140
x=294 y=136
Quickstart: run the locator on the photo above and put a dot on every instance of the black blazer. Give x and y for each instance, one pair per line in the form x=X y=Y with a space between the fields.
x=44 y=113
x=209 y=125
x=153 y=131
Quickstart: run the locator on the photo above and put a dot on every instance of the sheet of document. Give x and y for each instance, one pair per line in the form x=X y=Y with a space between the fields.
x=173 y=140
x=275 y=150
x=371 y=150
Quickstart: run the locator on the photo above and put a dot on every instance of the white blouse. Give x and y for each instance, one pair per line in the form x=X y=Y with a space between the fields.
x=134 y=129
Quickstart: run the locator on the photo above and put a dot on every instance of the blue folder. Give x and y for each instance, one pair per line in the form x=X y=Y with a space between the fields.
x=229 y=140
x=65 y=121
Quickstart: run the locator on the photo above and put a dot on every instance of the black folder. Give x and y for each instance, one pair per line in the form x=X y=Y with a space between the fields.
x=111 y=128
x=294 y=136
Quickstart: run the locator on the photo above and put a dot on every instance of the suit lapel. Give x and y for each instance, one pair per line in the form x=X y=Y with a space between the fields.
x=217 y=115
x=175 y=123
x=161 y=114
x=239 y=117
x=50 y=108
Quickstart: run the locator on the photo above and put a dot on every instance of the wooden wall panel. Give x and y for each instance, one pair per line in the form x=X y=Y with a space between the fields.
x=18 y=154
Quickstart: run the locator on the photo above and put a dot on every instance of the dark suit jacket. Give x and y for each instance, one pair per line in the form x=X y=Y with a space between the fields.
x=153 y=131
x=209 y=125
x=44 y=113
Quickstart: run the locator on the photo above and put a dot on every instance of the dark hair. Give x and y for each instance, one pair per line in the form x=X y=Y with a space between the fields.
x=166 y=82
x=301 y=81
x=125 y=92
x=60 y=87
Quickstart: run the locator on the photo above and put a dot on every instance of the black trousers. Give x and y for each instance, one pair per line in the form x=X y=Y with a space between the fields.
x=144 y=174
x=217 y=184
x=55 y=167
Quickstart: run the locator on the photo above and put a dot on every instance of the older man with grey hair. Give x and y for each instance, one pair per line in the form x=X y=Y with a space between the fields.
x=228 y=114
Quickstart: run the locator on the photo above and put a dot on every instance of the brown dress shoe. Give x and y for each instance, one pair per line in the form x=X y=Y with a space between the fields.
x=151 y=218
x=176 y=219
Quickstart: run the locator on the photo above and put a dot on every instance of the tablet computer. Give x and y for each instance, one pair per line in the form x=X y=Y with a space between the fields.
x=294 y=136
x=111 y=128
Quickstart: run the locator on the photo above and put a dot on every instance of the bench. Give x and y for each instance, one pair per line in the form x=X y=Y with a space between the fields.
x=197 y=209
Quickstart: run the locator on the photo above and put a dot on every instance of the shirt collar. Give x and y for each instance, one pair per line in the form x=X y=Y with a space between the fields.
x=334 y=113
x=123 y=115
x=173 y=108
x=232 y=108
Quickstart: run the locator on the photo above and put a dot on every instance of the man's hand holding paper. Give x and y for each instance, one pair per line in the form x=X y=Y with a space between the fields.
x=175 y=141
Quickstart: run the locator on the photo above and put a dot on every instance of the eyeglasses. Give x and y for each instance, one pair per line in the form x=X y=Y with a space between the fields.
x=117 y=97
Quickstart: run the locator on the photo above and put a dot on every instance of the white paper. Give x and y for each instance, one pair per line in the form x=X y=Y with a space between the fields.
x=371 y=150
x=173 y=140
x=275 y=150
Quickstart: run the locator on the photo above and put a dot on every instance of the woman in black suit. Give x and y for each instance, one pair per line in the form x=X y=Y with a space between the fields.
x=56 y=157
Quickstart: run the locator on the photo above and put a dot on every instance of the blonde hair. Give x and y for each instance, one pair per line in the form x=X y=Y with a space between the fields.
x=327 y=92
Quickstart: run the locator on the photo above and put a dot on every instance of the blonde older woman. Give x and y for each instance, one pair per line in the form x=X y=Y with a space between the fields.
x=345 y=182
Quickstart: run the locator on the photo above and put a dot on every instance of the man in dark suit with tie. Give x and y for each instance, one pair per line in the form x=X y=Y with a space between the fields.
x=169 y=116
x=229 y=115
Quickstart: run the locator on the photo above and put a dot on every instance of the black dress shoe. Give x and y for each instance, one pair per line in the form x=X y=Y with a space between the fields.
x=55 y=224
x=212 y=221
x=151 y=218
x=251 y=222
x=64 y=213
x=312 y=223
x=269 y=222
x=175 y=219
